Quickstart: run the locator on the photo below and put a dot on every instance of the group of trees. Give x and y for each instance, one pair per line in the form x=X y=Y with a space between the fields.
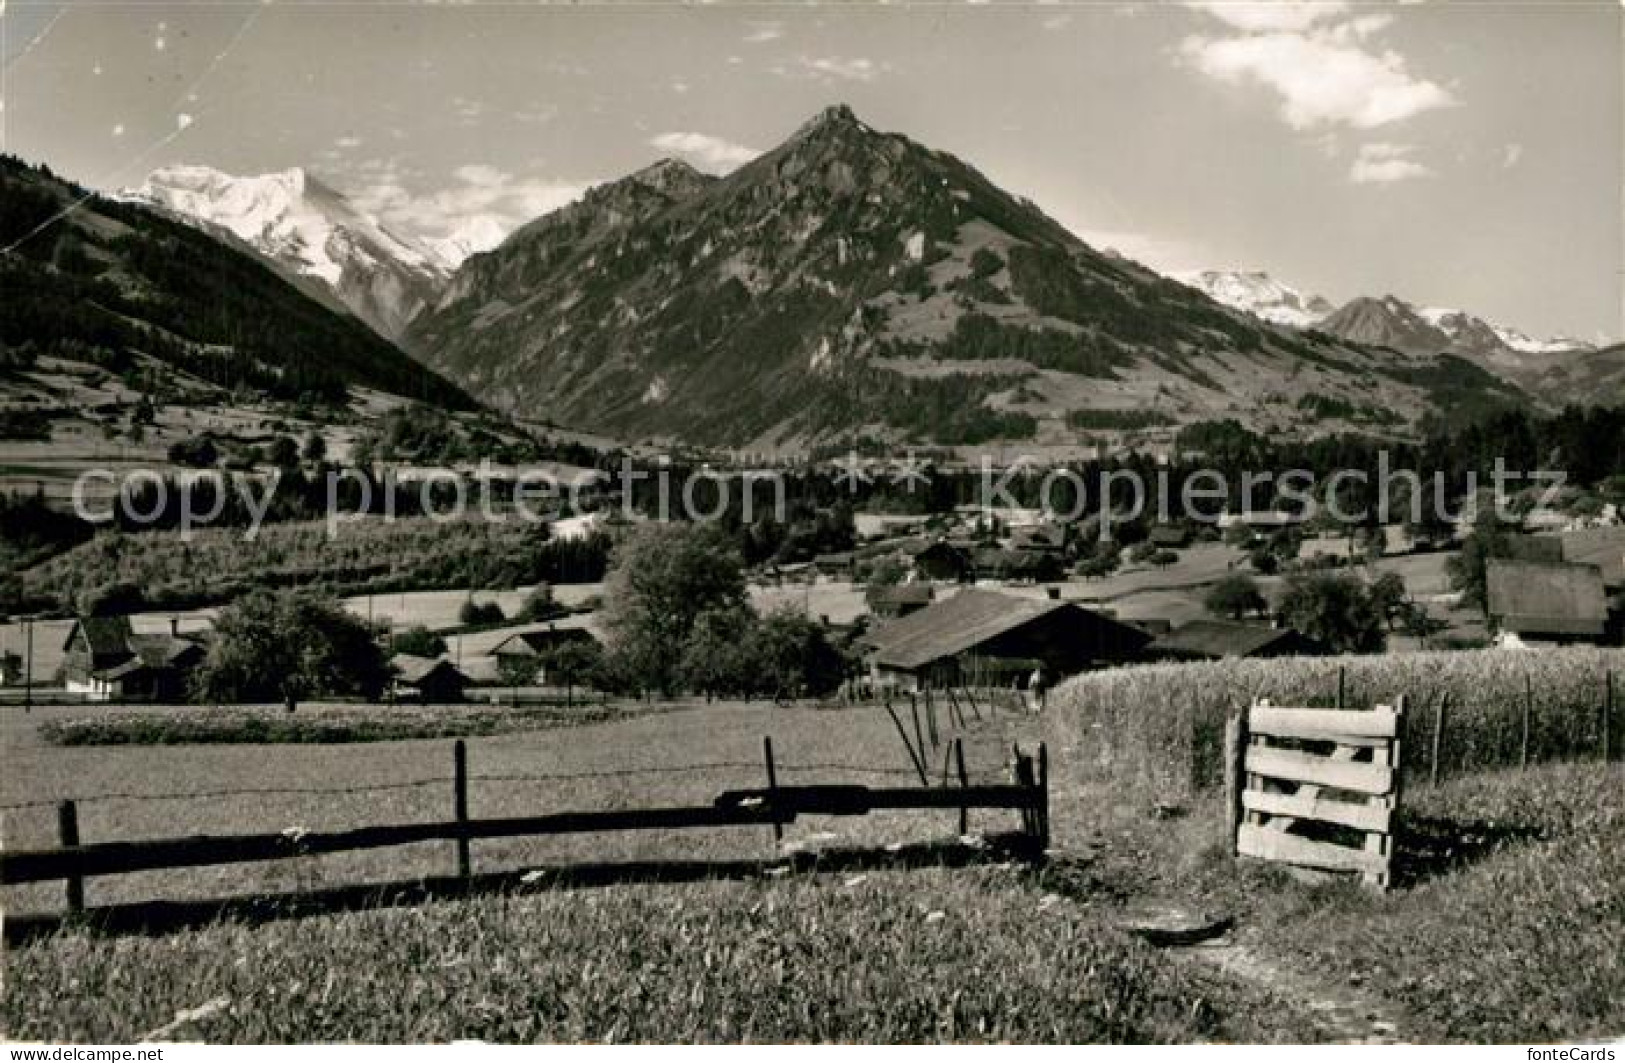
x=1341 y=610
x=678 y=618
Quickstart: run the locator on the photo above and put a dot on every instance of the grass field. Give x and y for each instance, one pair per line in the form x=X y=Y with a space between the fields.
x=926 y=956
x=1508 y=926
x=685 y=756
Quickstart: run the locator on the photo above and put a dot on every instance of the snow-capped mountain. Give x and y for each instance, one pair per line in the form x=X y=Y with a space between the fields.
x=309 y=230
x=1259 y=294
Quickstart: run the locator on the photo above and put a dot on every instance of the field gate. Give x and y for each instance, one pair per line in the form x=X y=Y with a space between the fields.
x=1315 y=788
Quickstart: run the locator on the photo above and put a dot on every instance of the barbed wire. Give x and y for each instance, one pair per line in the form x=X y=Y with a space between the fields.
x=444 y=780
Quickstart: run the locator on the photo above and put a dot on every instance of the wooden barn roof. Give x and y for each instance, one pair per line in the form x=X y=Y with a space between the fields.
x=1222 y=638
x=1548 y=598
x=970 y=618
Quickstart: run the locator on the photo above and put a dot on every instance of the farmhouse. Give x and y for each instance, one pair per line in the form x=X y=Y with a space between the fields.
x=1030 y=566
x=899 y=600
x=984 y=636
x=430 y=680
x=105 y=660
x=1215 y=640
x=527 y=648
x=1538 y=602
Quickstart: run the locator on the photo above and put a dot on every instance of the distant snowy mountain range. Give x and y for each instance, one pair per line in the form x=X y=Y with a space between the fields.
x=597 y=312
x=1389 y=321
x=312 y=231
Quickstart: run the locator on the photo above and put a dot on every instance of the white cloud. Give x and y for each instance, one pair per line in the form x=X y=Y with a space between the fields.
x=711 y=152
x=1325 y=70
x=1270 y=16
x=1056 y=22
x=858 y=69
x=764 y=32
x=1511 y=155
x=475 y=212
x=1384 y=163
x=347 y=143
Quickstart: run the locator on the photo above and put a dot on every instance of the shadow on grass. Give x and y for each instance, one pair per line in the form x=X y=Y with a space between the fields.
x=161 y=917
x=1428 y=847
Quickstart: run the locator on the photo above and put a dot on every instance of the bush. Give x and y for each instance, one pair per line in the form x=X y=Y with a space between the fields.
x=480 y=614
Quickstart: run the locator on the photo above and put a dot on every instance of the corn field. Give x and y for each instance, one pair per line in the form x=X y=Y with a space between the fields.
x=1159 y=729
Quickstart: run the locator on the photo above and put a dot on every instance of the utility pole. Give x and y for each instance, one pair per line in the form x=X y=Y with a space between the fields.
x=28 y=665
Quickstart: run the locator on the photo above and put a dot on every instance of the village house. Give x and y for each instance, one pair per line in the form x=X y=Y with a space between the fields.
x=1216 y=640
x=898 y=600
x=984 y=637
x=526 y=650
x=429 y=680
x=1546 y=602
x=105 y=660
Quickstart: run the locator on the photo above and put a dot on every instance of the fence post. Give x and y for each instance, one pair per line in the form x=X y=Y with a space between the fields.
x=67 y=829
x=1043 y=797
x=1235 y=774
x=1528 y=709
x=1342 y=687
x=1439 y=716
x=902 y=732
x=459 y=757
x=1607 y=716
x=772 y=791
x=931 y=718
x=919 y=733
x=964 y=783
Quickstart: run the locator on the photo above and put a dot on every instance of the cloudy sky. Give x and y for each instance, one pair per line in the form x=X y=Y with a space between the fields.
x=1462 y=154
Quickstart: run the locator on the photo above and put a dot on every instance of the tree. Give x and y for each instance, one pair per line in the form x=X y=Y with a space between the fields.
x=538 y=605
x=664 y=578
x=286 y=647
x=716 y=657
x=198 y=452
x=790 y=656
x=480 y=614
x=1335 y=609
x=315 y=450
x=573 y=664
x=1387 y=594
x=1468 y=570
x=283 y=452
x=886 y=572
x=1235 y=596
x=419 y=641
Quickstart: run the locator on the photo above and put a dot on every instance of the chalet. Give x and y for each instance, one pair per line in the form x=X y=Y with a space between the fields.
x=1020 y=566
x=1044 y=538
x=1216 y=640
x=1170 y=537
x=429 y=680
x=835 y=566
x=899 y=599
x=981 y=636
x=528 y=648
x=105 y=660
x=1544 y=602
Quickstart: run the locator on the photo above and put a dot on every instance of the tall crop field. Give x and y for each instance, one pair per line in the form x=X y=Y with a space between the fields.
x=1157 y=731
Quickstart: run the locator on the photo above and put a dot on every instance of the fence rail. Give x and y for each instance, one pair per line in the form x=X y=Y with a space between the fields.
x=773 y=806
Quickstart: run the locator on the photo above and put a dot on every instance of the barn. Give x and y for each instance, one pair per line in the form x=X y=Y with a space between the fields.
x=1217 y=640
x=430 y=680
x=1545 y=602
x=982 y=636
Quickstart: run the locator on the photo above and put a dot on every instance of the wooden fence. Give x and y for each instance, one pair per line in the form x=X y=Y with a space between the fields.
x=772 y=806
x=1315 y=788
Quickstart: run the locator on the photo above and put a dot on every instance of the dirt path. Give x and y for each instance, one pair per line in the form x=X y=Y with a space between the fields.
x=1343 y=1012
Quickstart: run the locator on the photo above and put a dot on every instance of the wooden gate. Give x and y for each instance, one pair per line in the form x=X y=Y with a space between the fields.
x=1315 y=788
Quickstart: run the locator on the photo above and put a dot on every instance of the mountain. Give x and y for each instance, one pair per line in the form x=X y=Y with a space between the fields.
x=1386 y=322
x=854 y=284
x=114 y=283
x=311 y=231
x=1259 y=294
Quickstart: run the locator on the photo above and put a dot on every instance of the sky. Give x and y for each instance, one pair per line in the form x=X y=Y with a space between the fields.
x=1464 y=154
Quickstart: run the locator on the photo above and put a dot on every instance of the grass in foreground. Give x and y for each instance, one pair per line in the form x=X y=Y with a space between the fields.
x=1516 y=933
x=928 y=956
